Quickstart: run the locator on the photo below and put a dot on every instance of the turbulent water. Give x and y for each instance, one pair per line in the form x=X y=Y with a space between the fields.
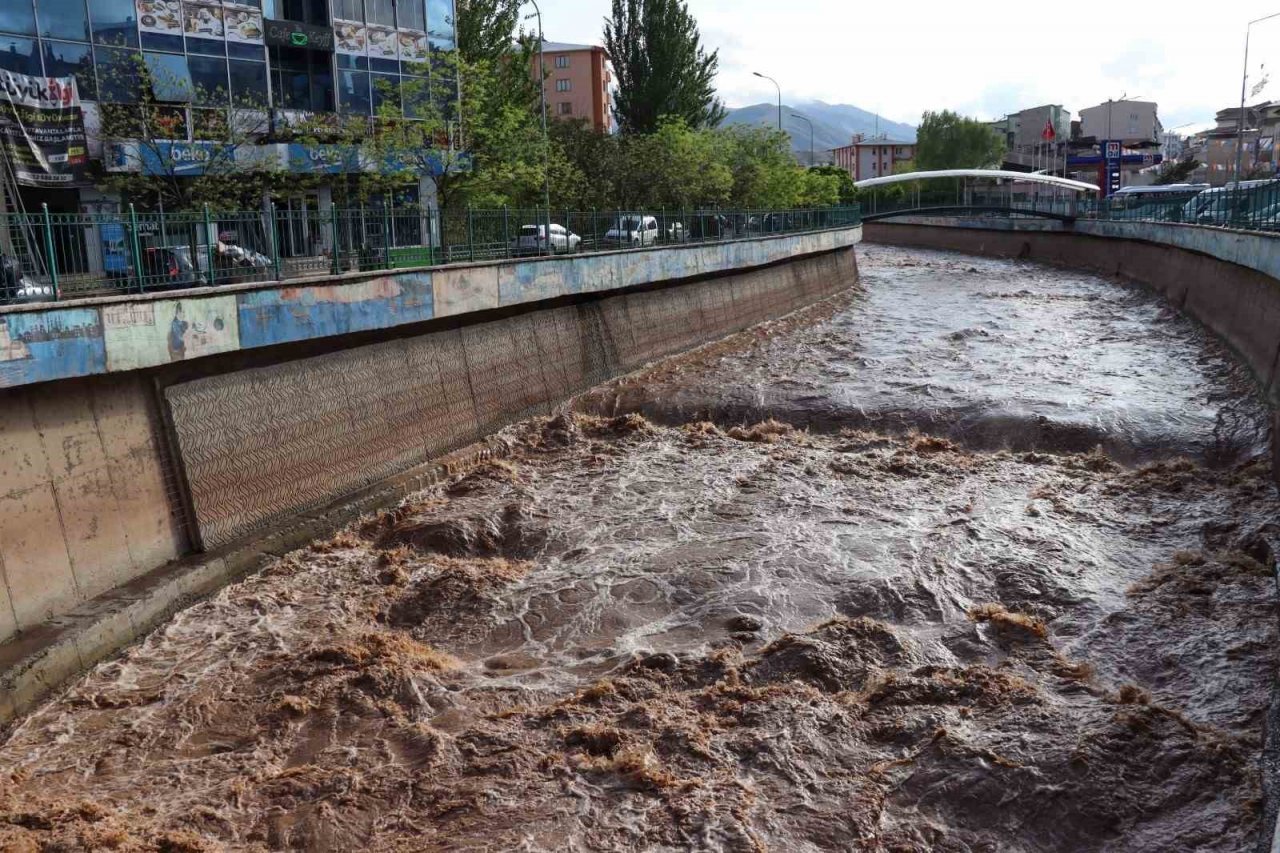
x=974 y=557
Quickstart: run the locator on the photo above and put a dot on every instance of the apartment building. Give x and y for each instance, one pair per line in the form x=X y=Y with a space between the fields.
x=577 y=81
x=1129 y=122
x=872 y=158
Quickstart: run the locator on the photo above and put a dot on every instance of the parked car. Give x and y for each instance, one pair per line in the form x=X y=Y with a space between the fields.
x=532 y=240
x=1230 y=204
x=632 y=231
x=676 y=232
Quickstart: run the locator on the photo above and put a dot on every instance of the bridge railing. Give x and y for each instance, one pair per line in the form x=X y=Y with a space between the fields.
x=980 y=201
x=51 y=257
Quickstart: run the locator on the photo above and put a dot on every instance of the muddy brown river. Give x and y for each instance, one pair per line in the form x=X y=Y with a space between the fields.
x=976 y=556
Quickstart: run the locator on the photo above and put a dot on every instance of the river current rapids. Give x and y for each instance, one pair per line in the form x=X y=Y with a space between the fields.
x=974 y=556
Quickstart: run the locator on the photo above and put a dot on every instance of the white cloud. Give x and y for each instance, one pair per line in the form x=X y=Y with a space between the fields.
x=984 y=59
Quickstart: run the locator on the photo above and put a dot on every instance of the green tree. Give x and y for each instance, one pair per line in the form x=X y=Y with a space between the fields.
x=485 y=28
x=846 y=193
x=946 y=140
x=661 y=67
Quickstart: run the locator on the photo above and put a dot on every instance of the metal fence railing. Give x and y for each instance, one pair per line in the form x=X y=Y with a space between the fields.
x=49 y=257
x=1251 y=205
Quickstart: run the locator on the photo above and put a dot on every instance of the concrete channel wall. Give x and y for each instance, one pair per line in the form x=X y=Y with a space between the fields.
x=127 y=491
x=1228 y=280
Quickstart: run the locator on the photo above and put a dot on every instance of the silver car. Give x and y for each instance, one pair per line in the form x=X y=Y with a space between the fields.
x=532 y=240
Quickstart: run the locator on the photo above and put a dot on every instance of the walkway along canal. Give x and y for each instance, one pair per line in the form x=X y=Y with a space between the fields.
x=974 y=556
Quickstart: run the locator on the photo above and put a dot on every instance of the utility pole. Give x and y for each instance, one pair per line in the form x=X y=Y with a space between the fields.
x=806 y=121
x=1244 y=78
x=546 y=144
x=779 y=88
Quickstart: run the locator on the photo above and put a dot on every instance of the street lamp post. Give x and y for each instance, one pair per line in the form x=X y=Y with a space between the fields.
x=806 y=121
x=546 y=143
x=1244 y=77
x=779 y=88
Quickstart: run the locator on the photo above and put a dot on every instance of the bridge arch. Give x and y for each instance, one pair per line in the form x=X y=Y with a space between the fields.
x=1059 y=206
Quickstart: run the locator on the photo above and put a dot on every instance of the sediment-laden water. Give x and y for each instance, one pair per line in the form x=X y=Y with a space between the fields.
x=977 y=557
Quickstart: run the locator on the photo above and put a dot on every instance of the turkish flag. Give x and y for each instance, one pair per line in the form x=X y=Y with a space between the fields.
x=1048 y=134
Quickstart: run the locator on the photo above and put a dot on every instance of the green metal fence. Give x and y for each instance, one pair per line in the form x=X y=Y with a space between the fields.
x=50 y=257
x=1250 y=206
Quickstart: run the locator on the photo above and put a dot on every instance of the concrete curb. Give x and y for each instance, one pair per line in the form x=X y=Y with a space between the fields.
x=41 y=661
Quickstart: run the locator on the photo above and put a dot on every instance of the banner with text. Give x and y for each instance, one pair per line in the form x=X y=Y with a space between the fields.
x=42 y=130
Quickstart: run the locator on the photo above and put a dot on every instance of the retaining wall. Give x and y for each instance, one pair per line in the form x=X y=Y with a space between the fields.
x=1222 y=278
x=106 y=478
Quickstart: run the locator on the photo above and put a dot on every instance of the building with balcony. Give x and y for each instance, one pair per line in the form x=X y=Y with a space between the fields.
x=577 y=80
x=872 y=157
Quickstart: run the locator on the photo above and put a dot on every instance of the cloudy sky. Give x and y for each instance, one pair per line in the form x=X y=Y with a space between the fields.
x=984 y=59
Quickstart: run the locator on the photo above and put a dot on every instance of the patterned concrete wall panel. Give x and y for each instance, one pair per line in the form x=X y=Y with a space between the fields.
x=498 y=377
x=448 y=415
x=38 y=346
x=260 y=444
x=715 y=299
x=144 y=334
x=620 y=330
x=384 y=399
x=281 y=315
x=554 y=353
x=536 y=394
x=465 y=289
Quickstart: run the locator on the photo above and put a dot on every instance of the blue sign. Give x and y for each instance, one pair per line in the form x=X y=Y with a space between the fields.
x=322 y=159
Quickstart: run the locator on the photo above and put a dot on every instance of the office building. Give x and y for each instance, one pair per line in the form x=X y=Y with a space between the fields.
x=577 y=83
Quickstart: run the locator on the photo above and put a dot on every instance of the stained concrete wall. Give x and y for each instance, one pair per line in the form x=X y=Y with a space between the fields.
x=84 y=502
x=106 y=478
x=42 y=343
x=267 y=443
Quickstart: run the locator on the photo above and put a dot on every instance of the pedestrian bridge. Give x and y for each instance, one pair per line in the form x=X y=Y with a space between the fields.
x=980 y=192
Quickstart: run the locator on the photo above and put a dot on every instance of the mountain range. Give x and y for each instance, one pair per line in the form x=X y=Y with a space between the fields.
x=834 y=125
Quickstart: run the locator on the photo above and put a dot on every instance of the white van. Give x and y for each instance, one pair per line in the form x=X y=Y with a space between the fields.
x=633 y=230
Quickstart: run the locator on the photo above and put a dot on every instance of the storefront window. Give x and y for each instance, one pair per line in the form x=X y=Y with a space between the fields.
x=349 y=10
x=353 y=93
x=64 y=59
x=249 y=83
x=17 y=16
x=118 y=79
x=114 y=22
x=209 y=74
x=301 y=79
x=20 y=56
x=381 y=12
x=386 y=92
x=411 y=15
x=440 y=23
x=170 y=80
x=63 y=19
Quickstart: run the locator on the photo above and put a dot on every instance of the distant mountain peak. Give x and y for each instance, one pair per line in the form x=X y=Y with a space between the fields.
x=834 y=125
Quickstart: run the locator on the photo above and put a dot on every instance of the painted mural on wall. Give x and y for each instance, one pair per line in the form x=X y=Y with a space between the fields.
x=142 y=334
x=288 y=314
x=66 y=342
x=44 y=345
